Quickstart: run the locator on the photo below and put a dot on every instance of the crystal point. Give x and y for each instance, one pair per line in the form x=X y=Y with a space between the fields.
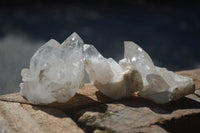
x=73 y=40
x=139 y=59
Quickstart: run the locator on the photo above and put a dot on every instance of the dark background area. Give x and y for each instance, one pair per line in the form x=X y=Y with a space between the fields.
x=168 y=30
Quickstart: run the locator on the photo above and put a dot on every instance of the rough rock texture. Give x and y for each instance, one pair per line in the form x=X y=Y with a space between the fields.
x=93 y=112
x=133 y=114
x=23 y=118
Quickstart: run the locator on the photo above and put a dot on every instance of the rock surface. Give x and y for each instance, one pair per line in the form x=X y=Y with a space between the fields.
x=24 y=118
x=132 y=114
x=93 y=112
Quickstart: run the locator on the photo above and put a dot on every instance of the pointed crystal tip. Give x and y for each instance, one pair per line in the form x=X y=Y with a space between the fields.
x=52 y=43
x=91 y=51
x=131 y=44
x=74 y=37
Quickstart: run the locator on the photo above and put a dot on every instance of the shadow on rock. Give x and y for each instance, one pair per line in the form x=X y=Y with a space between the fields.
x=50 y=111
x=183 y=103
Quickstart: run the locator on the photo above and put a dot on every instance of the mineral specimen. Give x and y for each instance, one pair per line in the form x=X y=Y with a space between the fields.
x=56 y=72
x=160 y=85
x=112 y=79
x=135 y=73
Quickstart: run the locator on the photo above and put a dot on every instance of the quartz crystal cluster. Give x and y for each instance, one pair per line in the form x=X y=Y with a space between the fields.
x=160 y=85
x=135 y=73
x=57 y=71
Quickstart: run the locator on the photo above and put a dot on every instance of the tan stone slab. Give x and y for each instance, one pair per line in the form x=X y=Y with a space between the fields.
x=137 y=114
x=116 y=118
x=150 y=129
x=24 y=118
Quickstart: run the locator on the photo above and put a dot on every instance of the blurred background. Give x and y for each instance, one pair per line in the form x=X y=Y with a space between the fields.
x=168 y=30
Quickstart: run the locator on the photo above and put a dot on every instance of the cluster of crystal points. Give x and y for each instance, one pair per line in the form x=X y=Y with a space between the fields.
x=57 y=71
x=160 y=85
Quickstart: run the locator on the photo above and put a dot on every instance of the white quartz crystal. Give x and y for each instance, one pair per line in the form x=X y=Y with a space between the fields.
x=56 y=72
x=160 y=85
x=113 y=80
x=135 y=73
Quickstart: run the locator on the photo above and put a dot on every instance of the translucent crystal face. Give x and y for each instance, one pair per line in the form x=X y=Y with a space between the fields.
x=139 y=59
x=108 y=76
x=56 y=71
x=96 y=65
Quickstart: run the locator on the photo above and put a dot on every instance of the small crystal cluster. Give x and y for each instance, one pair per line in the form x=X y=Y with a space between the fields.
x=160 y=85
x=57 y=71
x=113 y=79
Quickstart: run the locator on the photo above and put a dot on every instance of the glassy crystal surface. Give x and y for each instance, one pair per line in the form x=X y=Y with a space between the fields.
x=56 y=72
x=113 y=80
x=160 y=85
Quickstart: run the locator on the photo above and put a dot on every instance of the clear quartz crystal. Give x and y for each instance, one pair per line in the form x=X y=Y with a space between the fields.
x=160 y=85
x=113 y=80
x=56 y=72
